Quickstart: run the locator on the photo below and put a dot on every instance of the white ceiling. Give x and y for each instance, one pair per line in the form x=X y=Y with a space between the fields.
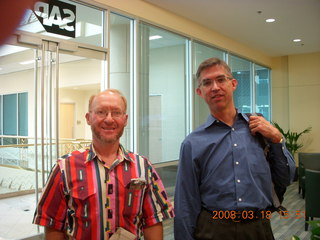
x=240 y=20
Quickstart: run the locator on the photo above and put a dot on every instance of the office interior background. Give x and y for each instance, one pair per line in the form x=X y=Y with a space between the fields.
x=151 y=54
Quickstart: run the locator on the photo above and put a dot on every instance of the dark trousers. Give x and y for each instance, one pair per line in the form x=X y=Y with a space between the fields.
x=227 y=229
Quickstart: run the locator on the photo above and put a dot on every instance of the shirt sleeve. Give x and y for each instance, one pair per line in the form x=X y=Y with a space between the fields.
x=156 y=204
x=283 y=165
x=187 y=200
x=51 y=209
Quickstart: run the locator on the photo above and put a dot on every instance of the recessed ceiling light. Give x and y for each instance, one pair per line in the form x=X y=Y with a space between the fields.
x=297 y=40
x=270 y=20
x=154 y=37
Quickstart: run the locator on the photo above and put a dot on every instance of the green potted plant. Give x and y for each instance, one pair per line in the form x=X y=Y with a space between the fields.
x=292 y=138
x=315 y=230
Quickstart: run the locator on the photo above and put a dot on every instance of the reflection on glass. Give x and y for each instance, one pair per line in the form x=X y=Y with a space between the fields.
x=262 y=86
x=162 y=94
x=120 y=62
x=240 y=69
x=29 y=113
x=89 y=24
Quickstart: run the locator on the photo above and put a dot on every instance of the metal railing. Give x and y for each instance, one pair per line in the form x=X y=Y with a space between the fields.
x=17 y=161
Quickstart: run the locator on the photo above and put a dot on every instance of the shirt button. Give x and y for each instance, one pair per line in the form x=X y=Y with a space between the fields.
x=235 y=144
x=240 y=199
x=238 y=180
x=232 y=129
x=237 y=163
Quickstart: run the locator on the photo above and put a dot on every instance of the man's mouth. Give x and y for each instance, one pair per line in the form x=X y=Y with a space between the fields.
x=108 y=128
x=217 y=96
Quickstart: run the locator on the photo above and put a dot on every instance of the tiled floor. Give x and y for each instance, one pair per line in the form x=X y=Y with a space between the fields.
x=17 y=213
x=16 y=217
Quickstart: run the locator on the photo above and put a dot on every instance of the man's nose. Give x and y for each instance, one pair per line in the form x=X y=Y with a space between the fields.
x=109 y=117
x=214 y=85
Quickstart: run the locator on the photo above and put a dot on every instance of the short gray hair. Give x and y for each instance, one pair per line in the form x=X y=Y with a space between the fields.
x=212 y=62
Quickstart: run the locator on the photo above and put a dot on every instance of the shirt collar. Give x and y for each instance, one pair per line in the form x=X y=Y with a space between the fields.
x=123 y=154
x=211 y=119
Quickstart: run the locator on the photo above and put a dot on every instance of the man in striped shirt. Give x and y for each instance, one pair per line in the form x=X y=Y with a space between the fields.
x=104 y=191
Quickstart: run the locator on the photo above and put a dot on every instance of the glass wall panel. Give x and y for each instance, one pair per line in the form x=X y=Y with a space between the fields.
x=32 y=112
x=241 y=70
x=89 y=24
x=202 y=52
x=79 y=78
x=120 y=65
x=162 y=93
x=262 y=91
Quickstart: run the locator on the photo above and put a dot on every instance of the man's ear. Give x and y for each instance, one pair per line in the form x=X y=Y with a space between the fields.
x=198 y=91
x=126 y=120
x=234 y=84
x=88 y=118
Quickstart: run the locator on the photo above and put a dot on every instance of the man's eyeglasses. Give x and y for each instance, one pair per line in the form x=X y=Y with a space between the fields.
x=104 y=114
x=219 y=81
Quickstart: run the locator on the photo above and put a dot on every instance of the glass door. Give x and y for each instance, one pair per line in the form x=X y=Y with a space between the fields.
x=46 y=84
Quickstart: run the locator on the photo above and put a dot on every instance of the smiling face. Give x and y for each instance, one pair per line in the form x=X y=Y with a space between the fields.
x=216 y=87
x=107 y=118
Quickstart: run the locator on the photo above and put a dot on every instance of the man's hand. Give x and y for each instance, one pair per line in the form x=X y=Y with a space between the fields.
x=53 y=234
x=154 y=232
x=258 y=124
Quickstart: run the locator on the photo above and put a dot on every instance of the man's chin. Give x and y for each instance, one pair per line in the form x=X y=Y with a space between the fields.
x=108 y=140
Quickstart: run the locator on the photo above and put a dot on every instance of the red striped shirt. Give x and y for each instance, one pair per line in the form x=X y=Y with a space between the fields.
x=87 y=200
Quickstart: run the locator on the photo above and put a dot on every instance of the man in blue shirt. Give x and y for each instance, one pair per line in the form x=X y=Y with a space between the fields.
x=224 y=182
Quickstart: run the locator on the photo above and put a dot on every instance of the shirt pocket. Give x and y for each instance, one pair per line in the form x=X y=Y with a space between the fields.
x=82 y=201
x=134 y=192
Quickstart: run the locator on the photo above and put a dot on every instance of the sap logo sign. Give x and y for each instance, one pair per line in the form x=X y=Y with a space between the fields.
x=57 y=17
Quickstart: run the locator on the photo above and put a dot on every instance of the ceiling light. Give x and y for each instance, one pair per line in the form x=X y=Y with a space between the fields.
x=27 y=62
x=297 y=40
x=154 y=37
x=270 y=20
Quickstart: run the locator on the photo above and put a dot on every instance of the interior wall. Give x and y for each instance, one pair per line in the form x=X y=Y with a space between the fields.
x=304 y=98
x=280 y=91
x=153 y=14
x=296 y=98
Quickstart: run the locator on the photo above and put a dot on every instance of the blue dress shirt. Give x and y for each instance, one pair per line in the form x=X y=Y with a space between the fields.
x=223 y=168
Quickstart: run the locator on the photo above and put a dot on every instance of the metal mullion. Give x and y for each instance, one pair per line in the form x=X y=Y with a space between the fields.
x=36 y=56
x=49 y=112
x=57 y=100
x=189 y=98
x=42 y=88
x=106 y=65
x=253 y=85
x=133 y=81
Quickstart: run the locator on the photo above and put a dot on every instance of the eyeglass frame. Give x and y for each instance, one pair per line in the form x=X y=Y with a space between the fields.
x=104 y=114
x=220 y=80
